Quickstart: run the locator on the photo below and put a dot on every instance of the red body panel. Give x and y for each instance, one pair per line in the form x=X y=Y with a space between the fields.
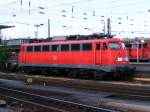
x=147 y=53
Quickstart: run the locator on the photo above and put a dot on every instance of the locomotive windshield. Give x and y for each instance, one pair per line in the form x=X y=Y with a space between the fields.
x=114 y=46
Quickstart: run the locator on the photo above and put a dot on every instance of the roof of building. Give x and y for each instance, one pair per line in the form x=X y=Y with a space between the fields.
x=5 y=26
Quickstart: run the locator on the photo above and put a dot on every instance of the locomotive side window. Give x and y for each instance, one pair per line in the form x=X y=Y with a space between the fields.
x=87 y=47
x=75 y=47
x=37 y=48
x=104 y=46
x=29 y=48
x=97 y=46
x=46 y=48
x=114 y=46
x=55 y=48
x=65 y=47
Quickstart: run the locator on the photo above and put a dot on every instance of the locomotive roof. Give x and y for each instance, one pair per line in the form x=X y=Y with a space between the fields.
x=72 y=41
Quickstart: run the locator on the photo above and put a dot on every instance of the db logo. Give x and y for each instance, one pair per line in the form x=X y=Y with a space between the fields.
x=55 y=58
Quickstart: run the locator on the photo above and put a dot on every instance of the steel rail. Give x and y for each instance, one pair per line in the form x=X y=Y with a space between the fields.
x=40 y=100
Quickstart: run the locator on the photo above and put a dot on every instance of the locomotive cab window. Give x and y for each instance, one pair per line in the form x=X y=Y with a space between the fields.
x=114 y=46
x=75 y=47
x=104 y=46
x=65 y=47
x=87 y=46
x=29 y=48
x=46 y=48
x=55 y=48
x=37 y=48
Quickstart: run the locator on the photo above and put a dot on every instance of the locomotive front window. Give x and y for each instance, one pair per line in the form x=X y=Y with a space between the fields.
x=114 y=46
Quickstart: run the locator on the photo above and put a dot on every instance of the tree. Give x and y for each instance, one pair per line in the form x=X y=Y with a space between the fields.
x=4 y=56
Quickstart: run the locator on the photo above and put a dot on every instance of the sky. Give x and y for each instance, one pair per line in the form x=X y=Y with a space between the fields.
x=129 y=18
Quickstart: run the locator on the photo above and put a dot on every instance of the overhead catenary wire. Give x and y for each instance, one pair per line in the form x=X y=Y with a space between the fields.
x=83 y=1
x=73 y=7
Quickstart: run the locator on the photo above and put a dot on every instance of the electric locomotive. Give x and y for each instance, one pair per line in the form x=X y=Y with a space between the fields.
x=138 y=51
x=99 y=58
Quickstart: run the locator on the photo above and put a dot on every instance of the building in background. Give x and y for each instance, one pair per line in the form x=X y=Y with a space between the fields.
x=3 y=27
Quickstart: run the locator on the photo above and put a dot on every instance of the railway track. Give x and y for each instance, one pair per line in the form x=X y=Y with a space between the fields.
x=117 y=90
x=52 y=104
x=129 y=92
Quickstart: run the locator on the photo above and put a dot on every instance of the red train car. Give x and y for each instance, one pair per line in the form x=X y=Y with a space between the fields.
x=139 y=51
x=97 y=55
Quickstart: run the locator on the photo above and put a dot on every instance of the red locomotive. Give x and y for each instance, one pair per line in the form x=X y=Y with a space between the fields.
x=97 y=56
x=139 y=51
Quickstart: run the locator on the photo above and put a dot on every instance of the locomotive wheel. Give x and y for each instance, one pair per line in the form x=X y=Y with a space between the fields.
x=72 y=73
x=63 y=71
x=53 y=71
x=26 y=70
x=30 y=70
x=98 y=75
x=88 y=74
x=44 y=71
x=115 y=75
x=80 y=73
x=50 y=71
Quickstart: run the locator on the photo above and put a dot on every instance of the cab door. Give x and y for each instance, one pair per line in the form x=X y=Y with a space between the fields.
x=98 y=54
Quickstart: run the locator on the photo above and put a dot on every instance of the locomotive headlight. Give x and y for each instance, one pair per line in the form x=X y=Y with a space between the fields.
x=119 y=59
x=122 y=59
x=126 y=59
